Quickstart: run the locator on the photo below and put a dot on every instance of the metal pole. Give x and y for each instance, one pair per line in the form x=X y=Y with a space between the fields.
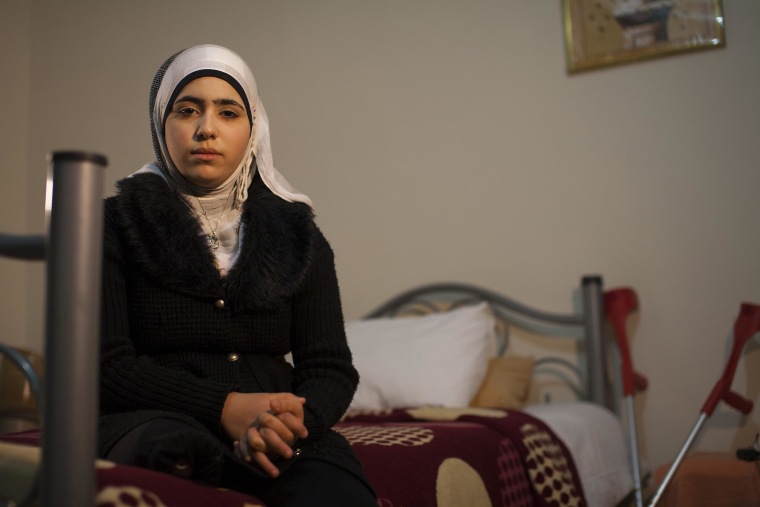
x=634 y=450
x=25 y=247
x=681 y=455
x=596 y=347
x=72 y=336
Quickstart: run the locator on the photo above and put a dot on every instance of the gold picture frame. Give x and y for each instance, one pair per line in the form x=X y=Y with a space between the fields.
x=600 y=33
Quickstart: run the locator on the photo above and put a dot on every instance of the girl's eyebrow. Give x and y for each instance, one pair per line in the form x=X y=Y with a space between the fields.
x=199 y=102
x=228 y=102
x=190 y=98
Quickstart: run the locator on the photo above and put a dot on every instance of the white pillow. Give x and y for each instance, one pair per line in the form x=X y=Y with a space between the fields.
x=437 y=359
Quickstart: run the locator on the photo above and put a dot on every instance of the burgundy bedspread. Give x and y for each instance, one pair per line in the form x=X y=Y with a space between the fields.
x=451 y=457
x=414 y=458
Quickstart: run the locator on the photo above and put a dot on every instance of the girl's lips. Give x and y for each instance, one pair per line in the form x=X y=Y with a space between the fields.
x=205 y=154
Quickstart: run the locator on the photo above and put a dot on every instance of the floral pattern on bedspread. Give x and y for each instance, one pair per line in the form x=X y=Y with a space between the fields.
x=454 y=457
x=414 y=458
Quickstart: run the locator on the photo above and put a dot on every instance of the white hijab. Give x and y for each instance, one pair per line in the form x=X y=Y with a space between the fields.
x=212 y=58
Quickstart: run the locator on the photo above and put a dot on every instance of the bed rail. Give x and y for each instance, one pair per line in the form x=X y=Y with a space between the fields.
x=588 y=323
x=72 y=247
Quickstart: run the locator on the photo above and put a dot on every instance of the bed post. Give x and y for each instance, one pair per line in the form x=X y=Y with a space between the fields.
x=72 y=343
x=596 y=346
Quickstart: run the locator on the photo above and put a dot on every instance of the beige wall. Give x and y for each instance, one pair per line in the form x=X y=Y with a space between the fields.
x=15 y=276
x=443 y=140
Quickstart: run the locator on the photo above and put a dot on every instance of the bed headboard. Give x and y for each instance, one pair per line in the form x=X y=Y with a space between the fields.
x=571 y=350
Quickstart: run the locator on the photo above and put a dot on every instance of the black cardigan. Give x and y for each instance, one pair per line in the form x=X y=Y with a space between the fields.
x=178 y=337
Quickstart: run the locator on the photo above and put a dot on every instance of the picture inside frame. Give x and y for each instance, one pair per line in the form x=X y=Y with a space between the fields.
x=608 y=32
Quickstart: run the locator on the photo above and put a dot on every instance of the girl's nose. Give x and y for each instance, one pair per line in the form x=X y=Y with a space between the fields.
x=206 y=128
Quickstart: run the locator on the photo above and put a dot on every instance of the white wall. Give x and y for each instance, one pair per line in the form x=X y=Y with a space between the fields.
x=443 y=140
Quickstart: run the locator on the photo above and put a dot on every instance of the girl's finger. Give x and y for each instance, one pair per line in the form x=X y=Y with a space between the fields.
x=275 y=445
x=263 y=461
x=294 y=424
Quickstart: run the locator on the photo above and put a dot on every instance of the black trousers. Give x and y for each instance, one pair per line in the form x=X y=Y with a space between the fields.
x=317 y=483
x=172 y=446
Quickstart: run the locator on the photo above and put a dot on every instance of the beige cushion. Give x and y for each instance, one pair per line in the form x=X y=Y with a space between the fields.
x=506 y=383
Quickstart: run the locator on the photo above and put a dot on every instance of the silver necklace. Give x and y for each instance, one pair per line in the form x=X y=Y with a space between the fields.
x=213 y=240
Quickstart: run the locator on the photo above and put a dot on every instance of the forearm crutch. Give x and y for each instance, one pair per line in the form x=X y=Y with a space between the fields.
x=618 y=304
x=746 y=325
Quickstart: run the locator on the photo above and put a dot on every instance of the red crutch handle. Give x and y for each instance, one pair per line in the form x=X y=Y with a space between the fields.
x=746 y=325
x=618 y=304
x=738 y=402
x=640 y=381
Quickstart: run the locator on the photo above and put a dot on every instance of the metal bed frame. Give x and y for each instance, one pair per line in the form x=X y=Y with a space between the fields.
x=72 y=248
x=592 y=380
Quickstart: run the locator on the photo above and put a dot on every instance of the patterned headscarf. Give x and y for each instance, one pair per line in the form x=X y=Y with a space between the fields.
x=211 y=60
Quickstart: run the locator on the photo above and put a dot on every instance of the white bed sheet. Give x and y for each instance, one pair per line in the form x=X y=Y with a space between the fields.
x=599 y=445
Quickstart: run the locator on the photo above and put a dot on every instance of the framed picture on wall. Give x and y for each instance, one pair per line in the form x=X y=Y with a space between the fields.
x=608 y=32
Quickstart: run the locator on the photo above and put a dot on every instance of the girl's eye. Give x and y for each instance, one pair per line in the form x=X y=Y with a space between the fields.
x=185 y=111
x=228 y=113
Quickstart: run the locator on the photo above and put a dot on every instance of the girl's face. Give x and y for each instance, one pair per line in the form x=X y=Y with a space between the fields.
x=207 y=131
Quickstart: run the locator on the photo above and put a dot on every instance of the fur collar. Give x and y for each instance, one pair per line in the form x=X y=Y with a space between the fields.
x=161 y=238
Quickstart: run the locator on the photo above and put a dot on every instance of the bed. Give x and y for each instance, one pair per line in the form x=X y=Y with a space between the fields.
x=517 y=414
x=531 y=434
x=467 y=397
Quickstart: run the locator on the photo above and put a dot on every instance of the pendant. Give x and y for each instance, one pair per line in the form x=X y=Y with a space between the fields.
x=213 y=242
